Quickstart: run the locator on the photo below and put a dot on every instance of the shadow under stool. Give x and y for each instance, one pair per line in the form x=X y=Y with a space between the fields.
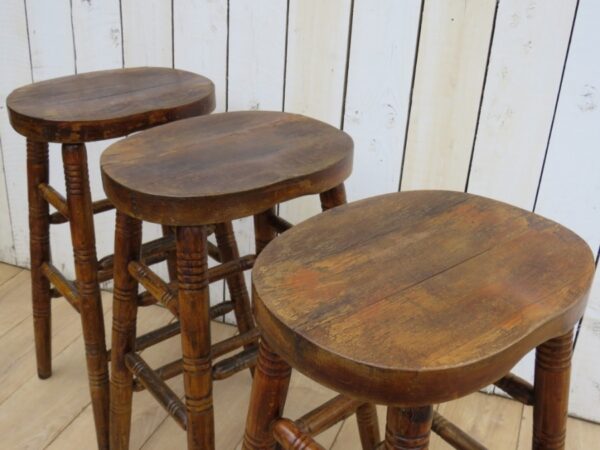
x=189 y=175
x=412 y=299
x=74 y=110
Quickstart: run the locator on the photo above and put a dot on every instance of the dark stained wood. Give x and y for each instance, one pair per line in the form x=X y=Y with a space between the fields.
x=235 y=281
x=107 y=104
x=291 y=438
x=128 y=239
x=408 y=428
x=81 y=223
x=333 y=197
x=263 y=231
x=517 y=388
x=454 y=435
x=227 y=367
x=401 y=270
x=368 y=426
x=326 y=415
x=552 y=374
x=66 y=288
x=217 y=168
x=157 y=387
x=98 y=207
x=192 y=265
x=269 y=391
x=39 y=251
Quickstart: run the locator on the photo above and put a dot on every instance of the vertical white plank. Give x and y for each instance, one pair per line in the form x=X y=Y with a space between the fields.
x=585 y=373
x=316 y=65
x=97 y=34
x=16 y=71
x=570 y=188
x=52 y=55
x=525 y=68
x=147 y=33
x=50 y=39
x=453 y=51
x=256 y=54
x=257 y=33
x=200 y=37
x=379 y=82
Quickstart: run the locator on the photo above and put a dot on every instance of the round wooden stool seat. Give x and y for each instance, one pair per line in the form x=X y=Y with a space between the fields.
x=107 y=104
x=225 y=166
x=420 y=297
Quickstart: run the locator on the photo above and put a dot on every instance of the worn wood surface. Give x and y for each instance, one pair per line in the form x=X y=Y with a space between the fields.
x=107 y=104
x=390 y=261
x=199 y=171
x=65 y=421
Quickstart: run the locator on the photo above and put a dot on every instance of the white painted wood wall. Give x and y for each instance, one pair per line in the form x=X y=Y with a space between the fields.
x=499 y=98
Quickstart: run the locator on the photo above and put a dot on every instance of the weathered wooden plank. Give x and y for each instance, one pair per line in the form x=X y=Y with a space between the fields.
x=256 y=54
x=147 y=33
x=527 y=58
x=453 y=51
x=379 y=81
x=315 y=74
x=200 y=41
x=16 y=72
x=97 y=35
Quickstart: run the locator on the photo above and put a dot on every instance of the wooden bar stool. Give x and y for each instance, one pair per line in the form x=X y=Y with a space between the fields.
x=188 y=175
x=415 y=298
x=74 y=110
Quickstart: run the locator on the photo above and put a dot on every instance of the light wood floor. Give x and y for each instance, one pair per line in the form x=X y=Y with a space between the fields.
x=56 y=413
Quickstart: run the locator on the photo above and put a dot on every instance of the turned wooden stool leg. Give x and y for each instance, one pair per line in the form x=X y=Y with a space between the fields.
x=237 y=286
x=368 y=426
x=128 y=239
x=408 y=428
x=267 y=399
x=192 y=266
x=551 y=387
x=333 y=197
x=39 y=250
x=81 y=221
x=263 y=231
x=171 y=263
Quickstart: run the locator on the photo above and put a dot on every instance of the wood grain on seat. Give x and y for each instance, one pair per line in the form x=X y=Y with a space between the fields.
x=107 y=104
x=224 y=166
x=418 y=297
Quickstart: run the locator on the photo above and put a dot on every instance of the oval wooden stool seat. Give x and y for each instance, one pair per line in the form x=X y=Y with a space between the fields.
x=74 y=110
x=189 y=175
x=224 y=166
x=421 y=297
x=107 y=104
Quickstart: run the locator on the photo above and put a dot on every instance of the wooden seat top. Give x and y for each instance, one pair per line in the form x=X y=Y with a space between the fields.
x=225 y=166
x=420 y=297
x=107 y=104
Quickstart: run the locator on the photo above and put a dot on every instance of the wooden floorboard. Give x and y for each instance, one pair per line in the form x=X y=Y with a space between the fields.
x=56 y=413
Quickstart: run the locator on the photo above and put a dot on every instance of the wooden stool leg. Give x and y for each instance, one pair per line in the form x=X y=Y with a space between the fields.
x=368 y=426
x=333 y=197
x=86 y=271
x=128 y=238
x=408 y=428
x=171 y=263
x=267 y=399
x=236 y=284
x=39 y=250
x=551 y=387
x=192 y=266
x=263 y=232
